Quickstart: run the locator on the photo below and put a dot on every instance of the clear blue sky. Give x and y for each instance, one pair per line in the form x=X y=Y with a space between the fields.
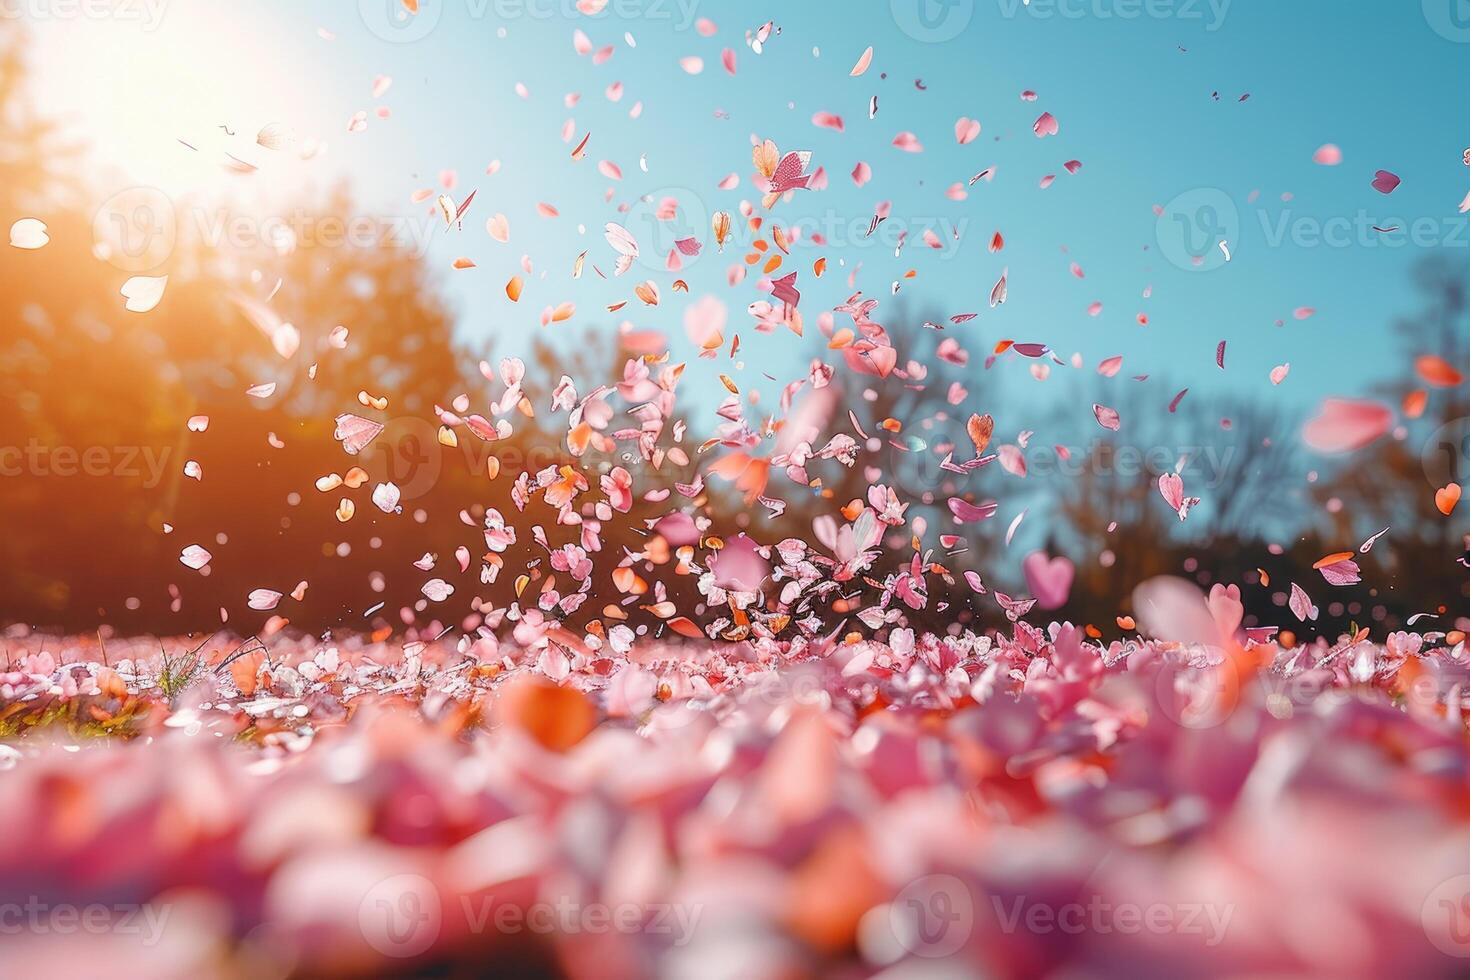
x=1130 y=83
x=1377 y=80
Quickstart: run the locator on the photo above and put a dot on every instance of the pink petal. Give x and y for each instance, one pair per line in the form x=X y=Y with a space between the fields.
x=967 y=513
x=827 y=120
x=908 y=142
x=1344 y=425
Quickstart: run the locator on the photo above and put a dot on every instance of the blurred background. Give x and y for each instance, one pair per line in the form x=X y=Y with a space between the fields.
x=134 y=139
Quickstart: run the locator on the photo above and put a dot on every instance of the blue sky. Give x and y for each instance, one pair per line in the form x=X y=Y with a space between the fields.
x=1133 y=107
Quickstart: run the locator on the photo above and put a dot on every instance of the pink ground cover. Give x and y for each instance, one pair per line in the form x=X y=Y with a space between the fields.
x=1010 y=805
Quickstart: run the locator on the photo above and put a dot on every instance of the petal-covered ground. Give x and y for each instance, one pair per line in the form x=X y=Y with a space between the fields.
x=1021 y=805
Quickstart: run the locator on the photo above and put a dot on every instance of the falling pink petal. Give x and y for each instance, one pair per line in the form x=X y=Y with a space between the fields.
x=1048 y=579
x=967 y=513
x=1385 y=181
x=827 y=120
x=1012 y=460
x=1344 y=425
x=908 y=142
x=437 y=590
x=1301 y=604
x=1342 y=572
x=1106 y=417
x=264 y=599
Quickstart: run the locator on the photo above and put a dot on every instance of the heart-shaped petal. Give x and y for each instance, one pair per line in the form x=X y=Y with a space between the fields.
x=1446 y=497
x=1049 y=579
x=1384 y=182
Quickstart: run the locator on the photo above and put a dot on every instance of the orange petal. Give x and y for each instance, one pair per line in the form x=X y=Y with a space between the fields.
x=1446 y=497
x=1437 y=371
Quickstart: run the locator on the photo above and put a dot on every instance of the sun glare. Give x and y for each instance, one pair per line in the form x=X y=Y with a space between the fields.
x=172 y=97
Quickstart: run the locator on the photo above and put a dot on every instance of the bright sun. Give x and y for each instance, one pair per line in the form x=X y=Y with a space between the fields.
x=144 y=86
